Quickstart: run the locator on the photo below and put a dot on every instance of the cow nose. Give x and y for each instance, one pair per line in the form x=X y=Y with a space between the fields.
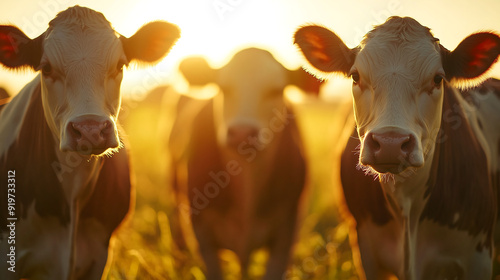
x=91 y=136
x=390 y=151
x=238 y=134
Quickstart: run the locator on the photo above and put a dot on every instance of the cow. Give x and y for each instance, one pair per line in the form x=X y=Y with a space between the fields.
x=66 y=182
x=244 y=159
x=434 y=149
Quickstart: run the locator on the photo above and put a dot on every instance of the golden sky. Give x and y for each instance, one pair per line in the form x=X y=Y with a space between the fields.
x=216 y=28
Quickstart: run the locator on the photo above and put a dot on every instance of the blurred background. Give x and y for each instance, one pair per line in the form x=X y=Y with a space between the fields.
x=216 y=29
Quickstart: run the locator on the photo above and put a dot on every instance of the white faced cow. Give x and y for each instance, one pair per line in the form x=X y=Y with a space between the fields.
x=245 y=166
x=435 y=149
x=66 y=197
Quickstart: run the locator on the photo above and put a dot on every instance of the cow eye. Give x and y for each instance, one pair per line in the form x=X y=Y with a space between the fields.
x=437 y=80
x=47 y=69
x=355 y=77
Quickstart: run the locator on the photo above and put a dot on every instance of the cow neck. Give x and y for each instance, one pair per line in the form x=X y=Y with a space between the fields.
x=459 y=188
x=405 y=196
x=405 y=191
x=30 y=156
x=253 y=178
x=45 y=177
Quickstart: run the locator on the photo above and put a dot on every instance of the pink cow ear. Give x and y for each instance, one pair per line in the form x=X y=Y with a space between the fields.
x=472 y=57
x=324 y=50
x=18 y=50
x=151 y=42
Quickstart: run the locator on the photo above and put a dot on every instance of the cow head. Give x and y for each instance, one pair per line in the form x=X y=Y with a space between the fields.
x=398 y=74
x=81 y=58
x=250 y=107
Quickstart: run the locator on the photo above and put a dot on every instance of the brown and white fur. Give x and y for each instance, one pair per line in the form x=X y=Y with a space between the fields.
x=60 y=143
x=434 y=149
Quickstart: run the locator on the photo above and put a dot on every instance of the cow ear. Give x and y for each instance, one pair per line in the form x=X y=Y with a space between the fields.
x=324 y=50
x=305 y=81
x=197 y=71
x=151 y=42
x=472 y=57
x=17 y=50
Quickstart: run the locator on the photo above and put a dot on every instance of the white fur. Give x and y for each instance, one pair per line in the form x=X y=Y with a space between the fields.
x=85 y=80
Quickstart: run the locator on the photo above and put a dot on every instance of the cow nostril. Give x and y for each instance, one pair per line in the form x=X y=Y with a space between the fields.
x=103 y=130
x=74 y=129
x=408 y=144
x=372 y=142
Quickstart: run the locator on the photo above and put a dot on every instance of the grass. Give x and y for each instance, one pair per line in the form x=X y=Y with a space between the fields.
x=144 y=249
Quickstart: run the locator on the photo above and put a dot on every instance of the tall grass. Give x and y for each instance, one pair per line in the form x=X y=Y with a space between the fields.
x=144 y=247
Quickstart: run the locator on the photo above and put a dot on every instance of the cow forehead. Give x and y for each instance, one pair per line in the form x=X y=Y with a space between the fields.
x=79 y=34
x=398 y=29
x=399 y=47
x=80 y=16
x=253 y=68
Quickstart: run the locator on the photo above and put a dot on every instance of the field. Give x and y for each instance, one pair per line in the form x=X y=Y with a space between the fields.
x=144 y=247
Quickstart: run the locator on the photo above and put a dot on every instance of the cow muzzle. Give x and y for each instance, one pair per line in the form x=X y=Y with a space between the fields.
x=391 y=151
x=91 y=135
x=238 y=134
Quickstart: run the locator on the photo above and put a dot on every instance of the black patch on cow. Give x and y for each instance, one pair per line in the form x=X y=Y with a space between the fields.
x=459 y=181
x=31 y=156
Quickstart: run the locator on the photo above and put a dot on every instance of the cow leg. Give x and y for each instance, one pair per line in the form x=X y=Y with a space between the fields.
x=278 y=262
x=211 y=259
x=209 y=252
x=380 y=250
x=496 y=231
x=92 y=249
x=182 y=211
x=75 y=217
x=244 y=261
x=279 y=250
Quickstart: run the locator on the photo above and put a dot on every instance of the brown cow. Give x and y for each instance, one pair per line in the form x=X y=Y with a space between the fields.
x=432 y=212
x=65 y=173
x=244 y=159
